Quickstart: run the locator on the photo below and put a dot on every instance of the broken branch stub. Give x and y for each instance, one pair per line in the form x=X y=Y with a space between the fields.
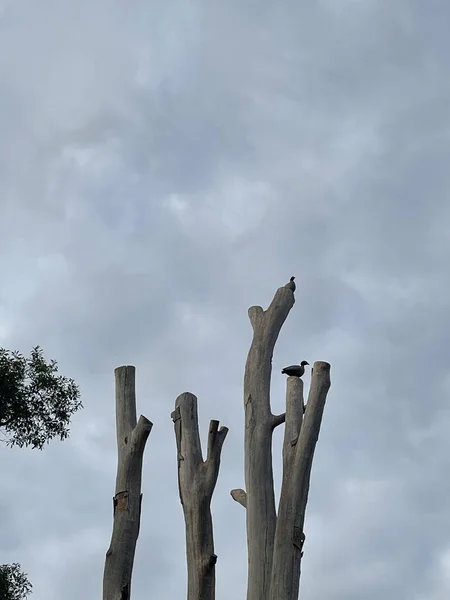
x=196 y=482
x=259 y=425
x=239 y=496
x=301 y=435
x=131 y=441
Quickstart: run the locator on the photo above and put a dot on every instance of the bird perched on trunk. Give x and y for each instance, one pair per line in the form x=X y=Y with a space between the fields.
x=291 y=284
x=295 y=370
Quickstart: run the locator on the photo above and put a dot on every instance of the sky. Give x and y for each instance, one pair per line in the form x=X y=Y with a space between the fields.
x=165 y=165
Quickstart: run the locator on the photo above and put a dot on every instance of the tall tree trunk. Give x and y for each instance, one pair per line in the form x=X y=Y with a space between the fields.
x=196 y=482
x=301 y=435
x=275 y=543
x=131 y=440
x=259 y=426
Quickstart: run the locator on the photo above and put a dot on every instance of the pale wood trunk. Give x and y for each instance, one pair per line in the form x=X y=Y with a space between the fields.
x=259 y=426
x=196 y=482
x=275 y=542
x=301 y=435
x=131 y=440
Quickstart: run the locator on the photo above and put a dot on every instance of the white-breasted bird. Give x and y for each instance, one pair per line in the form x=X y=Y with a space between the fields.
x=295 y=370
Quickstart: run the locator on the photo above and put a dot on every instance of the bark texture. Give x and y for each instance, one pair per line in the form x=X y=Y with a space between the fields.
x=301 y=435
x=259 y=425
x=131 y=439
x=196 y=481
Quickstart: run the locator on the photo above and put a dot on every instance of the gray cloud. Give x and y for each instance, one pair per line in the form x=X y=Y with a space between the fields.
x=162 y=168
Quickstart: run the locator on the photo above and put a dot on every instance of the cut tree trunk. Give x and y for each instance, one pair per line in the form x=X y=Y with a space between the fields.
x=131 y=440
x=259 y=426
x=275 y=543
x=196 y=482
x=301 y=435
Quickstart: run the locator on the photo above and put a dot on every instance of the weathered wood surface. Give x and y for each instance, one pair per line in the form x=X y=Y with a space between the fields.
x=196 y=481
x=259 y=426
x=131 y=440
x=301 y=435
x=275 y=542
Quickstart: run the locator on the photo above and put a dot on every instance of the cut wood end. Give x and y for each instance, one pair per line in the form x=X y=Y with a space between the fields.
x=185 y=398
x=141 y=432
x=175 y=414
x=255 y=314
x=213 y=425
x=239 y=496
x=216 y=438
x=144 y=423
x=321 y=366
x=125 y=367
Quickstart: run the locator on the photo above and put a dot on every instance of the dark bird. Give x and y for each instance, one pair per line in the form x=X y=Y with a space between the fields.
x=291 y=284
x=295 y=370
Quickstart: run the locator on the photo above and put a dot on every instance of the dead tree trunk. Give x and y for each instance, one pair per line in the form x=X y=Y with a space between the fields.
x=274 y=550
x=284 y=529
x=298 y=452
x=131 y=440
x=259 y=426
x=196 y=482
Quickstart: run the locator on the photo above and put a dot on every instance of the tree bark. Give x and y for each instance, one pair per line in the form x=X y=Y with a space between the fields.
x=131 y=440
x=196 y=482
x=259 y=425
x=301 y=435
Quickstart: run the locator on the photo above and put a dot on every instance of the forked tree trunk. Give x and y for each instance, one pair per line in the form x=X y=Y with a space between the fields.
x=131 y=440
x=275 y=544
x=196 y=482
x=301 y=435
x=259 y=426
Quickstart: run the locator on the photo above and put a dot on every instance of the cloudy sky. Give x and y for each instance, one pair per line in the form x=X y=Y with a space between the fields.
x=163 y=166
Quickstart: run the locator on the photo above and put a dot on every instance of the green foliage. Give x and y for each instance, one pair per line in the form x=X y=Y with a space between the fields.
x=36 y=403
x=14 y=584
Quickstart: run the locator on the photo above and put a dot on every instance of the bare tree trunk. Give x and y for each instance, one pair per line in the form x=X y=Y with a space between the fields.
x=196 y=482
x=298 y=452
x=259 y=426
x=285 y=520
x=131 y=440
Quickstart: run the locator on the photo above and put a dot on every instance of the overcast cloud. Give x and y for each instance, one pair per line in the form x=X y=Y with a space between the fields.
x=163 y=166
